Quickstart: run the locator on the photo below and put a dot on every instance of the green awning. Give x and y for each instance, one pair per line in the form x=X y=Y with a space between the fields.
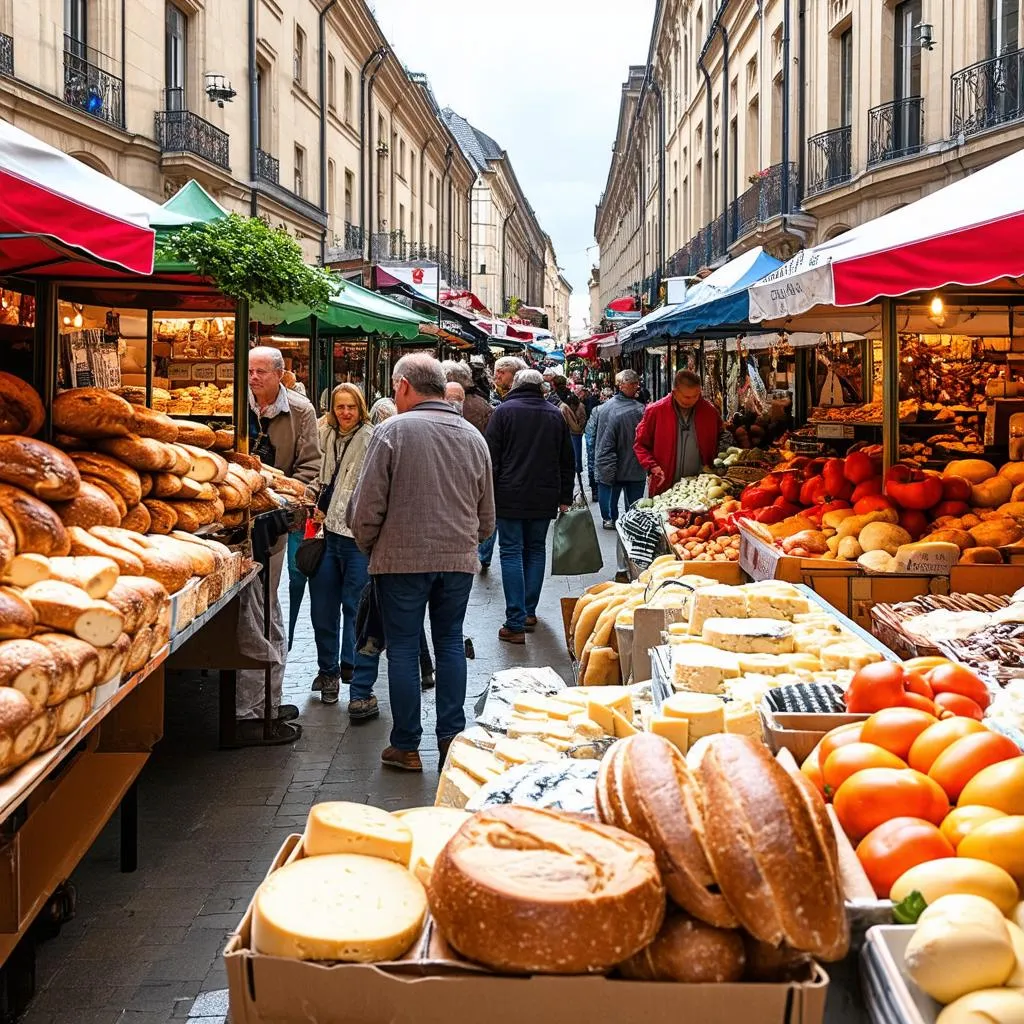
x=195 y=203
x=351 y=308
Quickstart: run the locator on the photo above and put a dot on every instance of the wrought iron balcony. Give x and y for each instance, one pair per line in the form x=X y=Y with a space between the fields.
x=387 y=245
x=6 y=55
x=178 y=130
x=92 y=83
x=895 y=130
x=829 y=162
x=347 y=245
x=268 y=168
x=988 y=94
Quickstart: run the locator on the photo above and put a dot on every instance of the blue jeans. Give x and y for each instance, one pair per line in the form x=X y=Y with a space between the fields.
x=337 y=586
x=486 y=550
x=608 y=497
x=296 y=585
x=405 y=599
x=591 y=443
x=577 y=449
x=365 y=676
x=523 y=548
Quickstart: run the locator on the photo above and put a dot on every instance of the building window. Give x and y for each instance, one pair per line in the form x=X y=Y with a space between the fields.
x=330 y=187
x=332 y=83
x=348 y=96
x=262 y=118
x=175 y=37
x=76 y=25
x=299 y=57
x=846 y=78
x=401 y=217
x=1002 y=26
x=412 y=170
x=349 y=189
x=401 y=158
x=430 y=190
x=299 y=187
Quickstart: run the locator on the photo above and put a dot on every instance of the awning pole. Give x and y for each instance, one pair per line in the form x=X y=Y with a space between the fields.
x=241 y=410
x=890 y=386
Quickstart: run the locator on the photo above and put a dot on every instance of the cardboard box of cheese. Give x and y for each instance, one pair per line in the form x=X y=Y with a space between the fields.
x=431 y=985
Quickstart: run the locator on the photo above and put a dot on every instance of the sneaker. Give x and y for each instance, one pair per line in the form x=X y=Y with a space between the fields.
x=321 y=678
x=469 y=648
x=361 y=710
x=407 y=760
x=287 y=713
x=427 y=681
x=531 y=623
x=510 y=636
x=249 y=732
x=331 y=691
x=607 y=524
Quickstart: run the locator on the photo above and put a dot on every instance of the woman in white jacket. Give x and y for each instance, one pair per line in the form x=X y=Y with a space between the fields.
x=343 y=573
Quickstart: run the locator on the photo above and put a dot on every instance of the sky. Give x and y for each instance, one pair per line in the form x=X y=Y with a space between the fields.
x=543 y=78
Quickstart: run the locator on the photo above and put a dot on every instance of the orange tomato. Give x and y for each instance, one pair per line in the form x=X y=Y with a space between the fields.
x=895 y=730
x=934 y=740
x=958 y=704
x=961 y=761
x=1001 y=786
x=837 y=738
x=895 y=847
x=957 y=679
x=875 y=795
x=851 y=758
x=916 y=683
x=919 y=703
x=962 y=820
x=811 y=768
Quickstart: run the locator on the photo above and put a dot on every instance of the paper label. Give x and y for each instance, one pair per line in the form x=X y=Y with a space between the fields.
x=226 y=371
x=757 y=560
x=179 y=371
x=204 y=371
x=835 y=430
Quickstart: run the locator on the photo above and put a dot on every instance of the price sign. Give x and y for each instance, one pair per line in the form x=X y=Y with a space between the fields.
x=179 y=371
x=757 y=560
x=226 y=371
x=835 y=430
x=204 y=371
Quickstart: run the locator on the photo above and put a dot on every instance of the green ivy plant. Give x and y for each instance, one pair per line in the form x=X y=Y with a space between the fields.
x=248 y=259
x=514 y=304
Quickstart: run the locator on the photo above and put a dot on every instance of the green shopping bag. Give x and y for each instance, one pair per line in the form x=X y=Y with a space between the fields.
x=575 y=549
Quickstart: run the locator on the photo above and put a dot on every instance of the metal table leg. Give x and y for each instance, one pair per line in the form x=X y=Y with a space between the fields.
x=130 y=829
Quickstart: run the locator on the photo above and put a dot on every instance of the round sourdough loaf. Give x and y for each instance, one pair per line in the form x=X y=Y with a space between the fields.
x=149 y=423
x=767 y=853
x=37 y=467
x=93 y=506
x=21 y=408
x=92 y=412
x=37 y=527
x=524 y=890
x=691 y=952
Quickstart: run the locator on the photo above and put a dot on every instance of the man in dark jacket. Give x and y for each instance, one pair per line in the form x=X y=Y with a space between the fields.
x=533 y=464
x=618 y=470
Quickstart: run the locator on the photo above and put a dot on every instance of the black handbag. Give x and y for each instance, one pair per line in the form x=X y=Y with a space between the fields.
x=369 y=621
x=309 y=554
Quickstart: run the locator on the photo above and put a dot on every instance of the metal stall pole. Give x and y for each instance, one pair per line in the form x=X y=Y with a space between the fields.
x=45 y=344
x=890 y=385
x=314 y=362
x=241 y=409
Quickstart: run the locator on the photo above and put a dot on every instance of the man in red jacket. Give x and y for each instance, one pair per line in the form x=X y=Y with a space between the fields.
x=678 y=435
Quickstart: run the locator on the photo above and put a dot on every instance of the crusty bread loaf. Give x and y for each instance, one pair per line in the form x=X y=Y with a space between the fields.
x=162 y=516
x=188 y=489
x=17 y=619
x=82 y=655
x=774 y=965
x=116 y=655
x=85 y=543
x=207 y=466
x=93 y=506
x=138 y=519
x=157 y=425
x=67 y=443
x=141 y=649
x=660 y=802
x=37 y=527
x=166 y=485
x=65 y=607
x=95 y=574
x=223 y=440
x=197 y=434
x=92 y=413
x=24 y=570
x=245 y=459
x=50 y=737
x=263 y=502
x=64 y=679
x=72 y=713
x=8 y=544
x=202 y=559
x=21 y=408
x=134 y=604
x=172 y=569
x=113 y=471
x=145 y=485
x=37 y=467
x=28 y=740
x=691 y=952
x=221 y=552
x=16 y=715
x=232 y=520
x=132 y=542
x=28 y=666
x=111 y=492
x=766 y=852
x=234 y=493
x=559 y=895
x=182 y=460
x=141 y=453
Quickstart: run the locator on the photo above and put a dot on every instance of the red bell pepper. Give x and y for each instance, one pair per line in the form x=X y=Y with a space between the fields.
x=756 y=498
x=769 y=483
x=789 y=486
x=789 y=507
x=768 y=515
x=835 y=480
x=916 y=491
x=956 y=488
x=866 y=489
x=813 y=468
x=858 y=467
x=813 y=491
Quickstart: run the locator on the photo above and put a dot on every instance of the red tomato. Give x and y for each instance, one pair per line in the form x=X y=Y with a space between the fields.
x=916 y=683
x=872 y=503
x=852 y=758
x=950 y=678
x=895 y=730
x=957 y=704
x=914 y=522
x=956 y=488
x=961 y=761
x=838 y=737
x=896 y=846
x=875 y=795
x=936 y=738
x=874 y=687
x=916 y=701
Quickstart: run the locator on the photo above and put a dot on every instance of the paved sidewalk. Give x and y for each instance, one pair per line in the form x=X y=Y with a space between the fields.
x=145 y=948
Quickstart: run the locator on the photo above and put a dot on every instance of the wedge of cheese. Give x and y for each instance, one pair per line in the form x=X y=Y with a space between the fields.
x=716 y=602
x=431 y=828
x=853 y=655
x=525 y=750
x=482 y=765
x=749 y=635
x=743 y=720
x=455 y=788
x=704 y=714
x=675 y=730
x=548 y=727
x=702 y=668
x=550 y=707
x=617 y=697
x=610 y=720
x=343 y=827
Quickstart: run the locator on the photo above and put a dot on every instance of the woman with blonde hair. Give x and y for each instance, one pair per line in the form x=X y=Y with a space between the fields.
x=338 y=584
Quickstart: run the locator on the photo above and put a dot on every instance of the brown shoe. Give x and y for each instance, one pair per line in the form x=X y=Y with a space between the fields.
x=407 y=760
x=511 y=638
x=531 y=623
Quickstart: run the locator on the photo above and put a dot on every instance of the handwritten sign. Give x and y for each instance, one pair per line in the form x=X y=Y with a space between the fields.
x=835 y=430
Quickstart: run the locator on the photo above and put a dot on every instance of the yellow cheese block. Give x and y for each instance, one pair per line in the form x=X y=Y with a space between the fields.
x=602 y=668
x=551 y=707
x=585 y=728
x=610 y=720
x=617 y=697
x=518 y=726
x=431 y=829
x=704 y=713
x=481 y=764
x=524 y=750
x=743 y=720
x=455 y=788
x=675 y=730
x=343 y=827
x=338 y=907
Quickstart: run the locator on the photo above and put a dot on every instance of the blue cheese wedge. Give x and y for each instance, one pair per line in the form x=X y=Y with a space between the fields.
x=749 y=636
x=702 y=668
x=716 y=602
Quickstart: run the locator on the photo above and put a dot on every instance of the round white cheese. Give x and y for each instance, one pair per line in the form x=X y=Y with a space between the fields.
x=338 y=907
x=343 y=827
x=986 y=1006
x=431 y=829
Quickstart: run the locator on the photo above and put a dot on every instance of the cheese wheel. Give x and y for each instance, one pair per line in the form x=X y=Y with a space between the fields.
x=431 y=829
x=343 y=827
x=338 y=907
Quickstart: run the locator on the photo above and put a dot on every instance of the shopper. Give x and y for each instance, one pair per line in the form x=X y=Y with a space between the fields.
x=423 y=503
x=475 y=406
x=533 y=464
x=679 y=434
x=482 y=382
x=383 y=409
x=455 y=395
x=283 y=433
x=575 y=415
x=550 y=376
x=505 y=370
x=590 y=436
x=618 y=471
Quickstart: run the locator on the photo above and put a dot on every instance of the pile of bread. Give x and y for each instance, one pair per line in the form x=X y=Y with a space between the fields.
x=148 y=473
x=659 y=889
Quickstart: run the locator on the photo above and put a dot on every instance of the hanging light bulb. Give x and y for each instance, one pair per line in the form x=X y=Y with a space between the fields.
x=937 y=306
x=67 y=321
x=77 y=321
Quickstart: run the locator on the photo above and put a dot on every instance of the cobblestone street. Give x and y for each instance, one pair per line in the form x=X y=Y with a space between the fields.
x=145 y=947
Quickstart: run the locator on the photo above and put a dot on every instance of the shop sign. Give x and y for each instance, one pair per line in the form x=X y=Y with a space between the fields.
x=179 y=371
x=226 y=371
x=424 y=277
x=204 y=371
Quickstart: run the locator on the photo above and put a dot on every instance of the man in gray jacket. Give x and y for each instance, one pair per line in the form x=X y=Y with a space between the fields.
x=424 y=502
x=618 y=471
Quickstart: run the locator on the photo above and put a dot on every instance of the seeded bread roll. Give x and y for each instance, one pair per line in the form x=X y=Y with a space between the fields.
x=141 y=453
x=92 y=413
x=37 y=527
x=37 y=467
x=157 y=425
x=113 y=471
x=92 y=507
x=21 y=408
x=17 y=619
x=138 y=519
x=85 y=543
x=198 y=434
x=28 y=666
x=81 y=654
x=162 y=516
x=690 y=952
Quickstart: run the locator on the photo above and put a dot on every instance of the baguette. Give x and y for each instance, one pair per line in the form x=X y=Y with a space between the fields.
x=37 y=467
x=202 y=559
x=189 y=489
x=85 y=543
x=17 y=617
x=25 y=570
x=65 y=607
x=207 y=467
x=234 y=493
x=37 y=527
x=21 y=408
x=138 y=519
x=114 y=471
x=166 y=485
x=82 y=655
x=245 y=459
x=172 y=569
x=182 y=460
x=16 y=715
x=72 y=713
x=196 y=434
x=141 y=453
x=223 y=440
x=145 y=485
x=111 y=492
x=92 y=507
x=28 y=666
x=92 y=413
x=157 y=425
x=162 y=516
x=93 y=573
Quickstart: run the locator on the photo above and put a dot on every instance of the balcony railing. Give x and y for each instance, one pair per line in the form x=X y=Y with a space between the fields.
x=268 y=168
x=178 y=130
x=829 y=162
x=347 y=245
x=895 y=130
x=988 y=94
x=92 y=82
x=6 y=54
x=387 y=245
